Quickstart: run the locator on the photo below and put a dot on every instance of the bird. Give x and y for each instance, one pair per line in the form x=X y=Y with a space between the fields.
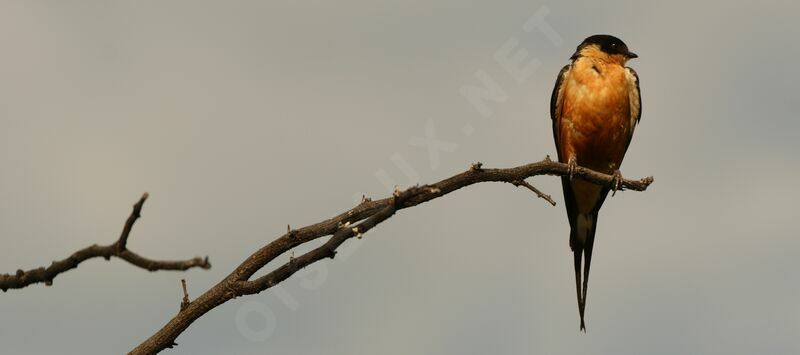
x=595 y=107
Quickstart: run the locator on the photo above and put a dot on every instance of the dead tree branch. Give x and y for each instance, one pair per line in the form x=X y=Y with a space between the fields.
x=117 y=249
x=352 y=223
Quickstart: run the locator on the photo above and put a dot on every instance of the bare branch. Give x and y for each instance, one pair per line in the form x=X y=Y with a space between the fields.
x=365 y=216
x=118 y=249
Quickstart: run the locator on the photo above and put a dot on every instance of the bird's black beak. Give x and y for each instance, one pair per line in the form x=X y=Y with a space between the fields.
x=632 y=55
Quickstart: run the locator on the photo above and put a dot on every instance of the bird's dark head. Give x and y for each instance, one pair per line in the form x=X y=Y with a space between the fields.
x=607 y=45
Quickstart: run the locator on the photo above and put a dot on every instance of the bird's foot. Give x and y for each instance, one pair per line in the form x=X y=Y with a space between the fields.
x=573 y=166
x=616 y=182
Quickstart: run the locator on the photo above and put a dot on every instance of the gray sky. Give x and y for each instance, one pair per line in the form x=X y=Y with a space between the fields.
x=239 y=118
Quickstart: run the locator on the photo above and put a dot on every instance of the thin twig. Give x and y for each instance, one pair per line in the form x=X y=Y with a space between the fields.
x=126 y=229
x=185 y=302
x=539 y=193
x=117 y=249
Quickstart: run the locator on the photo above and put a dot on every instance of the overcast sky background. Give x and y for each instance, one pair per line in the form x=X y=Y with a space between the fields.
x=241 y=117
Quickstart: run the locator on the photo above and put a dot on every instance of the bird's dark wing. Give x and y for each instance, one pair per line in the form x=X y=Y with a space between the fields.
x=635 y=96
x=555 y=104
x=578 y=248
x=635 y=99
x=556 y=108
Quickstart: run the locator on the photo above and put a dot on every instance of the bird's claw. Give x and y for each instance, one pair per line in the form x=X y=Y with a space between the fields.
x=616 y=182
x=573 y=167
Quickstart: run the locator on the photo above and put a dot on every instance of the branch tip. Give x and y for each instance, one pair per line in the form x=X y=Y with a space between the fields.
x=45 y=275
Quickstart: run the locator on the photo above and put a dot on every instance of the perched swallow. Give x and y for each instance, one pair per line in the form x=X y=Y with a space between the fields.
x=595 y=107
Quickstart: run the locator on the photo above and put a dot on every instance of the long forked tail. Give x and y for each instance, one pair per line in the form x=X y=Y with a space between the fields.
x=577 y=253
x=582 y=243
